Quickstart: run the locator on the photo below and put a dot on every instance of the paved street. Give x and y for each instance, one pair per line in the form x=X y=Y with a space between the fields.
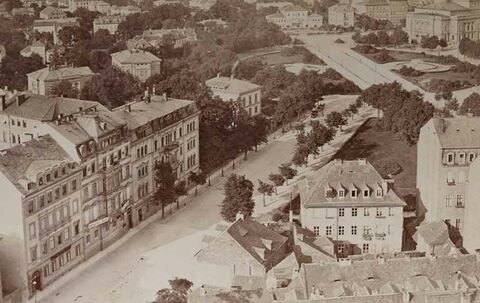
x=139 y=267
x=362 y=71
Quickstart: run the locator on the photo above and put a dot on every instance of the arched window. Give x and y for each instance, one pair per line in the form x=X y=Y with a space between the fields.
x=471 y=157
x=461 y=158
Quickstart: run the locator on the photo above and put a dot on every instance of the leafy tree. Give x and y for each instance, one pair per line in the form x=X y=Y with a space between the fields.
x=302 y=150
x=452 y=104
x=442 y=43
x=383 y=38
x=259 y=131
x=319 y=136
x=471 y=105
x=165 y=181
x=241 y=139
x=336 y=119
x=177 y=293
x=198 y=178
x=238 y=197
x=398 y=37
x=65 y=88
x=287 y=171
x=277 y=180
x=180 y=190
x=112 y=87
x=13 y=70
x=430 y=42
x=265 y=189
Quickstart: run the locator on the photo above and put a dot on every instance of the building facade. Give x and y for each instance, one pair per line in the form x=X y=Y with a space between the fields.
x=394 y=11
x=139 y=63
x=446 y=149
x=448 y=20
x=350 y=203
x=162 y=129
x=341 y=15
x=295 y=17
x=229 y=89
x=52 y=13
x=470 y=235
x=53 y=26
x=43 y=81
x=109 y=23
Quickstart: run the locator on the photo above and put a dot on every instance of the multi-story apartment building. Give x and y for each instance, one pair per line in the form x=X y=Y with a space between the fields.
x=41 y=223
x=92 y=5
x=22 y=115
x=43 y=81
x=292 y=16
x=109 y=23
x=229 y=89
x=448 y=20
x=350 y=203
x=342 y=14
x=139 y=63
x=52 y=13
x=445 y=150
x=124 y=10
x=394 y=11
x=161 y=129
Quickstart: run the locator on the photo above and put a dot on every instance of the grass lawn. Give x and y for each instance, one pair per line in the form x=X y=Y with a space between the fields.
x=423 y=81
x=375 y=145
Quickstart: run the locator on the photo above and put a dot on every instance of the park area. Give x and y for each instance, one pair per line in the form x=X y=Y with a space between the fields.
x=282 y=55
x=383 y=149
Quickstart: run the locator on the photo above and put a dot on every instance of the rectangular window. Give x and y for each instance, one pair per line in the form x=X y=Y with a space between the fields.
x=316 y=230
x=366 y=212
x=46 y=270
x=64 y=189
x=75 y=206
x=32 y=230
x=354 y=230
x=354 y=212
x=341 y=248
x=341 y=212
x=33 y=253
x=74 y=184
x=379 y=212
x=57 y=193
x=67 y=234
x=460 y=200
x=77 y=250
x=365 y=248
x=52 y=243
x=328 y=230
x=41 y=201
x=44 y=248
x=458 y=223
x=30 y=206
x=390 y=211
x=341 y=230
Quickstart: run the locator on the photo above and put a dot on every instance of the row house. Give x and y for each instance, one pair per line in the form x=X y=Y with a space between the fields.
x=78 y=176
x=139 y=63
x=161 y=129
x=446 y=149
x=350 y=203
x=44 y=81
x=109 y=23
x=292 y=16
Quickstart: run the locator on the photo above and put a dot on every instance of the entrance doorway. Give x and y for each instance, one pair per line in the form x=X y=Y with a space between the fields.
x=140 y=215
x=36 y=281
x=129 y=218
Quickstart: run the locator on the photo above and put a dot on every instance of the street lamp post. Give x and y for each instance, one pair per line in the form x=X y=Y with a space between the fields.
x=34 y=283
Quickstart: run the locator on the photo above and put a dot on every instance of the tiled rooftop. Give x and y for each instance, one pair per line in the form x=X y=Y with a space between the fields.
x=231 y=85
x=457 y=132
x=348 y=176
x=135 y=56
x=22 y=162
x=62 y=73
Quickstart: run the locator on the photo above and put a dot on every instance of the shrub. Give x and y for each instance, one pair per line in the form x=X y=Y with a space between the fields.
x=278 y=216
x=409 y=71
x=332 y=74
x=339 y=41
x=388 y=167
x=441 y=85
x=383 y=57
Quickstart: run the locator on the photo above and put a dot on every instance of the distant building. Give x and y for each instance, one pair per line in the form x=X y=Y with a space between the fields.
x=394 y=11
x=157 y=37
x=277 y=4
x=43 y=81
x=209 y=23
x=231 y=89
x=49 y=13
x=246 y=248
x=434 y=239
x=446 y=148
x=162 y=129
x=470 y=233
x=109 y=23
x=202 y=4
x=124 y=10
x=448 y=20
x=23 y=11
x=400 y=280
x=291 y=17
x=341 y=15
x=53 y=26
x=38 y=48
x=92 y=5
x=4 y=12
x=139 y=63
x=350 y=203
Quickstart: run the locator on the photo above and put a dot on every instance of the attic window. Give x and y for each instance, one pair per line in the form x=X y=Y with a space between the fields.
x=366 y=193
x=379 y=192
x=353 y=192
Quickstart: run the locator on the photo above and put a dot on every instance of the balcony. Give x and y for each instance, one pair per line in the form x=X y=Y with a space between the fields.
x=367 y=237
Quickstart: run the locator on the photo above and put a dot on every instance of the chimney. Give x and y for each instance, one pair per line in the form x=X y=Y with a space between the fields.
x=80 y=109
x=239 y=216
x=405 y=296
x=218 y=75
x=60 y=117
x=4 y=102
x=20 y=99
x=147 y=96
x=128 y=108
x=164 y=95
x=362 y=161
x=154 y=90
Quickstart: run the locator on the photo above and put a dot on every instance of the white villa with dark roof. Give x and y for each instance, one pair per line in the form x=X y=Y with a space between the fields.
x=43 y=81
x=350 y=203
x=446 y=149
x=231 y=89
x=139 y=63
x=293 y=16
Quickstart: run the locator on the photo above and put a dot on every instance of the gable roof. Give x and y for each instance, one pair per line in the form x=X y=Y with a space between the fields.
x=62 y=73
x=135 y=56
x=457 y=132
x=231 y=85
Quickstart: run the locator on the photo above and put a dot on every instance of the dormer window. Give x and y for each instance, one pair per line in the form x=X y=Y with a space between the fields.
x=40 y=181
x=461 y=158
x=29 y=186
x=353 y=193
x=366 y=193
x=379 y=192
x=450 y=158
x=341 y=193
x=48 y=177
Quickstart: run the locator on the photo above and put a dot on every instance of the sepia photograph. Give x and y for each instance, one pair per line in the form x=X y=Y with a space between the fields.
x=239 y=151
